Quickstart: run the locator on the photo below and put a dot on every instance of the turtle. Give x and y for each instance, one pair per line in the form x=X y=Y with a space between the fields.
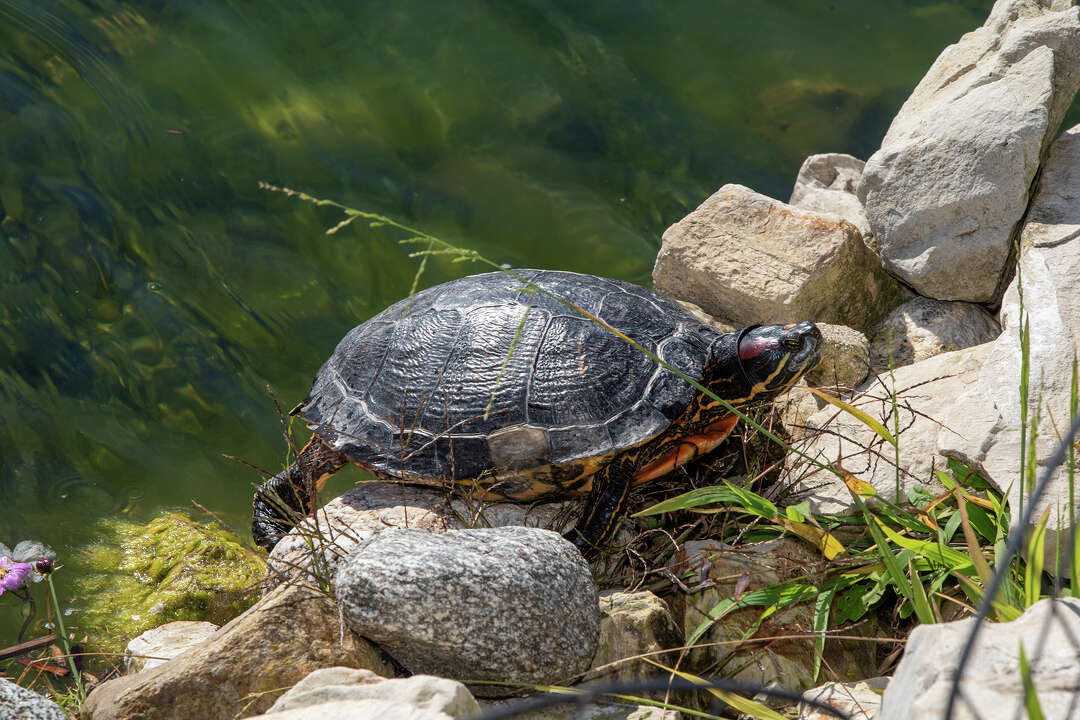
x=527 y=386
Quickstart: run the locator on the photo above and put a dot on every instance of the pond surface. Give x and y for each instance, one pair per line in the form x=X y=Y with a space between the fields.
x=150 y=291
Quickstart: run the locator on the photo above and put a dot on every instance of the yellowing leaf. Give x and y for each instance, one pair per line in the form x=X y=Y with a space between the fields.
x=829 y=546
x=857 y=486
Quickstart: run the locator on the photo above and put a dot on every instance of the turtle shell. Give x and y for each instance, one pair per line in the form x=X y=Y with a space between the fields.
x=481 y=373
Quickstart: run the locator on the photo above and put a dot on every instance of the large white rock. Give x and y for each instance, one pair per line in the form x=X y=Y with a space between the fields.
x=924 y=393
x=338 y=684
x=161 y=644
x=951 y=181
x=827 y=184
x=1049 y=278
x=991 y=680
x=356 y=710
x=750 y=259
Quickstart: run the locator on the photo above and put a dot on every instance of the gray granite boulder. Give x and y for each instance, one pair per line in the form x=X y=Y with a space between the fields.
x=750 y=259
x=508 y=604
x=951 y=181
x=18 y=703
x=1048 y=276
x=991 y=684
x=924 y=327
x=827 y=183
x=357 y=710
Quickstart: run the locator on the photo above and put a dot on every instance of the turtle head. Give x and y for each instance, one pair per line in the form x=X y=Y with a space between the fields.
x=762 y=361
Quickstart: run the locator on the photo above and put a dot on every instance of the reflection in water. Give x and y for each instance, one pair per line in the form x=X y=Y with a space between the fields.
x=149 y=291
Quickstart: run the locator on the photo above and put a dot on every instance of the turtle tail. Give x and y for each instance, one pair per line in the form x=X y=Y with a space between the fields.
x=289 y=496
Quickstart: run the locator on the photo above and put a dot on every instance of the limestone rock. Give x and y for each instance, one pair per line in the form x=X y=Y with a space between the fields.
x=845 y=358
x=375 y=507
x=787 y=663
x=160 y=644
x=827 y=184
x=356 y=710
x=952 y=178
x=509 y=604
x=18 y=703
x=925 y=327
x=632 y=624
x=858 y=700
x=290 y=632
x=925 y=392
x=752 y=259
x=338 y=684
x=991 y=679
x=1049 y=275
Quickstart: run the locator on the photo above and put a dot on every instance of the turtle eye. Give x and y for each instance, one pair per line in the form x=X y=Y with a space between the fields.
x=792 y=343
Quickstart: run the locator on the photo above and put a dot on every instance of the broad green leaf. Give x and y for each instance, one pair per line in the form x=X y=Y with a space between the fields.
x=713 y=495
x=918 y=594
x=942 y=555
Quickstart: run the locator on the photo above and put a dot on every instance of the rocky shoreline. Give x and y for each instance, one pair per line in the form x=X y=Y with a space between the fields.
x=927 y=261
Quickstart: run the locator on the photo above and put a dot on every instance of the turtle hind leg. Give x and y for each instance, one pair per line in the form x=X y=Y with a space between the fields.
x=604 y=508
x=290 y=495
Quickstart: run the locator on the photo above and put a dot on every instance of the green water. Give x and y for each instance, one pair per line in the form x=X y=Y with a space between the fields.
x=149 y=291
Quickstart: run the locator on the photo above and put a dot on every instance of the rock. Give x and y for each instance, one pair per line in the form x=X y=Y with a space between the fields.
x=924 y=327
x=356 y=710
x=991 y=680
x=951 y=180
x=172 y=568
x=844 y=364
x=787 y=663
x=338 y=684
x=632 y=624
x=589 y=711
x=508 y=604
x=827 y=183
x=752 y=259
x=286 y=635
x=18 y=703
x=375 y=507
x=858 y=700
x=925 y=392
x=845 y=358
x=705 y=318
x=1049 y=276
x=160 y=644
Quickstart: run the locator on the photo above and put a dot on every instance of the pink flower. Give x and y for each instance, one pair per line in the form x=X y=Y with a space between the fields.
x=12 y=574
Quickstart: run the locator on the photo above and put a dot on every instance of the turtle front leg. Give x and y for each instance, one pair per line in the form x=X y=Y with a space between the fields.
x=290 y=495
x=604 y=508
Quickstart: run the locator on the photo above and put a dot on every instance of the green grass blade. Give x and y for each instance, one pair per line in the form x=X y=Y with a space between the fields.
x=1031 y=699
x=1034 y=569
x=822 y=607
x=918 y=594
x=856 y=413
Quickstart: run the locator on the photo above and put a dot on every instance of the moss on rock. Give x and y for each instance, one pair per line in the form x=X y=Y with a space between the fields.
x=172 y=568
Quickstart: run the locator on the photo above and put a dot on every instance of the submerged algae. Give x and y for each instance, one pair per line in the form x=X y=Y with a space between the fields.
x=172 y=568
